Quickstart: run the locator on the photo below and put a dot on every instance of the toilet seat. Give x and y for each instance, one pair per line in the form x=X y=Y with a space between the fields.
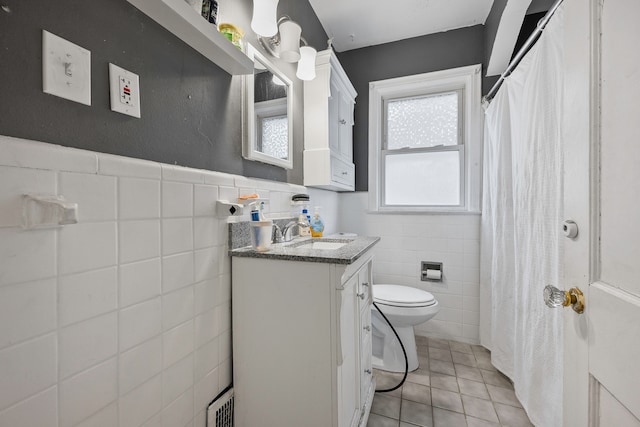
x=402 y=296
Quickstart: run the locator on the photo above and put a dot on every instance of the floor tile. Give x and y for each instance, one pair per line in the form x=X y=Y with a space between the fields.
x=386 y=380
x=444 y=418
x=419 y=376
x=448 y=392
x=416 y=413
x=503 y=395
x=496 y=378
x=478 y=349
x=460 y=347
x=442 y=367
x=446 y=400
x=387 y=406
x=464 y=359
x=512 y=417
x=416 y=393
x=479 y=408
x=468 y=372
x=484 y=362
x=444 y=382
x=423 y=361
x=473 y=388
x=420 y=340
x=439 y=343
x=423 y=350
x=439 y=354
x=477 y=422
x=380 y=421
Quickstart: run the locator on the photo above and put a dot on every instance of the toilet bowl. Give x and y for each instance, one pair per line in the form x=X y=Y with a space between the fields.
x=405 y=307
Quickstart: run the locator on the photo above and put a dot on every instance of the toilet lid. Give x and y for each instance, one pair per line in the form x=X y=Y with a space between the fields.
x=402 y=296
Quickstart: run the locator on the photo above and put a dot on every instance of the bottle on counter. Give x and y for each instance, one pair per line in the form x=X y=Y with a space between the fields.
x=303 y=218
x=317 y=225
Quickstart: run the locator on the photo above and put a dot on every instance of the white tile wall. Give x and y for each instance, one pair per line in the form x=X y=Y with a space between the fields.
x=409 y=239
x=124 y=318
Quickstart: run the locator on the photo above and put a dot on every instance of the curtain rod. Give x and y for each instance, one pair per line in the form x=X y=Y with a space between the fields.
x=523 y=50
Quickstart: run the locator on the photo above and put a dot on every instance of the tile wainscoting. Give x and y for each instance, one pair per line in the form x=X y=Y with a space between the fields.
x=122 y=319
x=408 y=239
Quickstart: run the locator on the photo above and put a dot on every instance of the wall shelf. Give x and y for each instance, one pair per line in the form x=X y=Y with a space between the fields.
x=185 y=23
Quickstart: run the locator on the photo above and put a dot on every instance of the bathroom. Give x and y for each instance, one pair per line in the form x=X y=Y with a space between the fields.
x=124 y=318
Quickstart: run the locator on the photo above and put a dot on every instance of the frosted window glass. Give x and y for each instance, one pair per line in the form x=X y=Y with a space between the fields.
x=423 y=122
x=275 y=137
x=431 y=178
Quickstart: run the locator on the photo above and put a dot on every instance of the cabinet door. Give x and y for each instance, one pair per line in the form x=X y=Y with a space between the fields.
x=345 y=127
x=348 y=375
x=365 y=298
x=334 y=118
x=366 y=369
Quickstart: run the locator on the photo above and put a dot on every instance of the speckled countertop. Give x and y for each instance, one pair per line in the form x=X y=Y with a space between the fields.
x=300 y=250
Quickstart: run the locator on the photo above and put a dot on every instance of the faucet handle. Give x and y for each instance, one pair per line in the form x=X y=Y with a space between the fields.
x=276 y=236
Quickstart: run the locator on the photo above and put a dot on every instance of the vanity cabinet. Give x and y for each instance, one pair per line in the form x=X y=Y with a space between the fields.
x=329 y=102
x=301 y=342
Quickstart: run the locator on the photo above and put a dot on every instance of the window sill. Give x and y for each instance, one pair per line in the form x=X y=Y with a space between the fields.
x=434 y=211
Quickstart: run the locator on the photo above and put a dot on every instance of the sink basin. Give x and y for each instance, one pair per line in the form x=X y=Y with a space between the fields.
x=325 y=245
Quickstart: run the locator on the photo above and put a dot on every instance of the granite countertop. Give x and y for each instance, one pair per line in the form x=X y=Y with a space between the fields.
x=300 y=249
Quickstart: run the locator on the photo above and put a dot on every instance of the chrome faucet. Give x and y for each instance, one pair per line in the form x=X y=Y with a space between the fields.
x=285 y=235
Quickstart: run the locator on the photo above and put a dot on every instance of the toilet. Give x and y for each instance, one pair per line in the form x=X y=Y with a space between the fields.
x=405 y=307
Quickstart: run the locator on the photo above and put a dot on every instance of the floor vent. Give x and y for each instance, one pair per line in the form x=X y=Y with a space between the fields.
x=220 y=412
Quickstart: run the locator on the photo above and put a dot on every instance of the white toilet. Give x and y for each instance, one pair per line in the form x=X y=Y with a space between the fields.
x=405 y=307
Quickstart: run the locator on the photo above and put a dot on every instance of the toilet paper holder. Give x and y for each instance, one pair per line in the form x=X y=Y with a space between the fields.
x=431 y=271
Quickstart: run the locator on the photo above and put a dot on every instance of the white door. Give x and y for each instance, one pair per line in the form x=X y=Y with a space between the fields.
x=602 y=195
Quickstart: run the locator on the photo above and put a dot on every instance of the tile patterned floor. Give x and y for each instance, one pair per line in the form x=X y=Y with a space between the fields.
x=455 y=386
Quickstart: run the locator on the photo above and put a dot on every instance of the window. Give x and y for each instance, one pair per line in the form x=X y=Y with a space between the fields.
x=425 y=135
x=272 y=128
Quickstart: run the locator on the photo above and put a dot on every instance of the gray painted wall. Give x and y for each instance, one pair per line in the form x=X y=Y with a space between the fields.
x=491 y=29
x=191 y=109
x=424 y=54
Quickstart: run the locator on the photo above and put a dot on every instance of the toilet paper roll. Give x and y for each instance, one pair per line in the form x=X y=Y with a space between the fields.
x=434 y=274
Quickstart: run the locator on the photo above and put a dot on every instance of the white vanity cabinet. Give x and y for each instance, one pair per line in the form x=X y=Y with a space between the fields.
x=329 y=102
x=301 y=342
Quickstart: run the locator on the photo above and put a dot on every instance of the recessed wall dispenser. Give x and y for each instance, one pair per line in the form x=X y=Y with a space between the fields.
x=431 y=271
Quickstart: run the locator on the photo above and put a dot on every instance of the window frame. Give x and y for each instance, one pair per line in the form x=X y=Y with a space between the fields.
x=464 y=80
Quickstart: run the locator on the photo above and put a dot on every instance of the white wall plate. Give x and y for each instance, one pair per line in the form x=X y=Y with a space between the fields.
x=66 y=69
x=125 y=91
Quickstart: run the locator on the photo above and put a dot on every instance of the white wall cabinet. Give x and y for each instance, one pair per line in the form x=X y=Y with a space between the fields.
x=302 y=343
x=329 y=102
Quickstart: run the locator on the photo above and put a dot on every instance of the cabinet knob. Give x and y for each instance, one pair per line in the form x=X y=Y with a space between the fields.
x=368 y=371
x=343 y=122
x=367 y=328
x=366 y=284
x=361 y=295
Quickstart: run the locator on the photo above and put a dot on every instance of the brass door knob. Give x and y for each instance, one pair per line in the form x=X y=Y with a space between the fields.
x=555 y=297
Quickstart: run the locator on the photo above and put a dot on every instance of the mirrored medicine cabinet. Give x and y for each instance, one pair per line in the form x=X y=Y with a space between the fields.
x=268 y=118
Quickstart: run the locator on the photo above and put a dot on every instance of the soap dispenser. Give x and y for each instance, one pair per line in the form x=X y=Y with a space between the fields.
x=303 y=218
x=317 y=225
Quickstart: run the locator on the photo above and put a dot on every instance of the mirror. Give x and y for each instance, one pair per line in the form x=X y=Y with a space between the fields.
x=268 y=101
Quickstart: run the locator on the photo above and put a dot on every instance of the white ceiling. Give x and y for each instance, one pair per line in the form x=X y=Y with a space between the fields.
x=358 y=23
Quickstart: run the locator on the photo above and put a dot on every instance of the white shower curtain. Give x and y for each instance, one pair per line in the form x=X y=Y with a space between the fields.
x=522 y=213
